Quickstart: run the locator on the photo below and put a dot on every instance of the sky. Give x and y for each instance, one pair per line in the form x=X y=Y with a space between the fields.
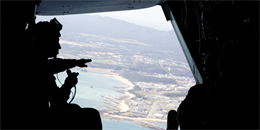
x=149 y=17
x=152 y=17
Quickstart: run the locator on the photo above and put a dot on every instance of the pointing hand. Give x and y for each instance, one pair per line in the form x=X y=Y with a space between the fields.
x=82 y=62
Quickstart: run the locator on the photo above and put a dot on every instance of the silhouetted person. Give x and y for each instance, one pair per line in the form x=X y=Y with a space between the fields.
x=197 y=92
x=22 y=109
x=62 y=115
x=172 y=123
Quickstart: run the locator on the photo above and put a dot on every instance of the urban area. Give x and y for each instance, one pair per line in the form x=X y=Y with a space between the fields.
x=160 y=83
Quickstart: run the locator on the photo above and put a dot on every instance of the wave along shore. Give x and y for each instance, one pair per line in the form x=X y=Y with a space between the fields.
x=122 y=107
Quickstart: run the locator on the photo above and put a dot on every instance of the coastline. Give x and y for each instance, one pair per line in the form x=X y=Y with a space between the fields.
x=131 y=118
x=145 y=122
x=122 y=106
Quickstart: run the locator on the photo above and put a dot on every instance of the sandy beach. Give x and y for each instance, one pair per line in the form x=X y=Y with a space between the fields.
x=121 y=104
x=145 y=122
x=139 y=119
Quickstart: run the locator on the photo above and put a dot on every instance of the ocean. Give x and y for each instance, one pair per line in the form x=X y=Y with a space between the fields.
x=94 y=89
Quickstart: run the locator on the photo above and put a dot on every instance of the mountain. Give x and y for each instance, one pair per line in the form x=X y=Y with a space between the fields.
x=106 y=26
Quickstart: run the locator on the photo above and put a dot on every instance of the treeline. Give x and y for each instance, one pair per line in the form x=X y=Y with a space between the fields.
x=175 y=95
x=133 y=91
x=106 y=66
x=150 y=68
x=135 y=77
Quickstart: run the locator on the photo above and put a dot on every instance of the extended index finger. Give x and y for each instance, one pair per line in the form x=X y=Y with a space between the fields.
x=88 y=60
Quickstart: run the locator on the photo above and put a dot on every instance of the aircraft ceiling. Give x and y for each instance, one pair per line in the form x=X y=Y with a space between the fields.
x=47 y=7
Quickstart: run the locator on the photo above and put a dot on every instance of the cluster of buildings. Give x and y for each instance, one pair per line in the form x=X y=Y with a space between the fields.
x=141 y=106
x=148 y=87
x=156 y=105
x=169 y=76
x=124 y=59
x=145 y=106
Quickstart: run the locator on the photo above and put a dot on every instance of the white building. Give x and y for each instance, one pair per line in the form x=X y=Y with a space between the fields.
x=169 y=89
x=139 y=112
x=141 y=108
x=164 y=112
x=132 y=101
x=173 y=85
x=157 y=115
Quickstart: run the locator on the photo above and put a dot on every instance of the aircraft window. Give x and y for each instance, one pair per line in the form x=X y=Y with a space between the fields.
x=138 y=72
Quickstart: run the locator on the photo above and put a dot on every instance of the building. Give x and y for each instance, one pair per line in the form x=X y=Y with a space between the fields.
x=141 y=108
x=140 y=112
x=169 y=89
x=164 y=112
x=157 y=115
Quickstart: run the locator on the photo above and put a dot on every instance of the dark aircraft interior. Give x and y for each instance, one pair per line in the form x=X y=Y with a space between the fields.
x=220 y=40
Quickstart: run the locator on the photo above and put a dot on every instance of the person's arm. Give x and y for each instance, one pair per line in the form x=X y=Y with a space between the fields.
x=59 y=65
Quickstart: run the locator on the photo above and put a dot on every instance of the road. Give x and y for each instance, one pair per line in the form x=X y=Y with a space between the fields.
x=153 y=108
x=163 y=68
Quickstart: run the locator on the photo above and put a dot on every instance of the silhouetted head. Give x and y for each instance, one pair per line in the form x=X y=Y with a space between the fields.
x=172 y=122
x=46 y=40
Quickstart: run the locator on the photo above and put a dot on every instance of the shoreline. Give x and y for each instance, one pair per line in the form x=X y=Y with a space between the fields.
x=144 y=122
x=121 y=105
x=131 y=118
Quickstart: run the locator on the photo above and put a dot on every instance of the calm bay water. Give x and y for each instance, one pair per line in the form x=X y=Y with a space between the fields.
x=95 y=97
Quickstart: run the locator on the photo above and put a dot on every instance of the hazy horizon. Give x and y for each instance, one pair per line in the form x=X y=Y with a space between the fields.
x=152 y=17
